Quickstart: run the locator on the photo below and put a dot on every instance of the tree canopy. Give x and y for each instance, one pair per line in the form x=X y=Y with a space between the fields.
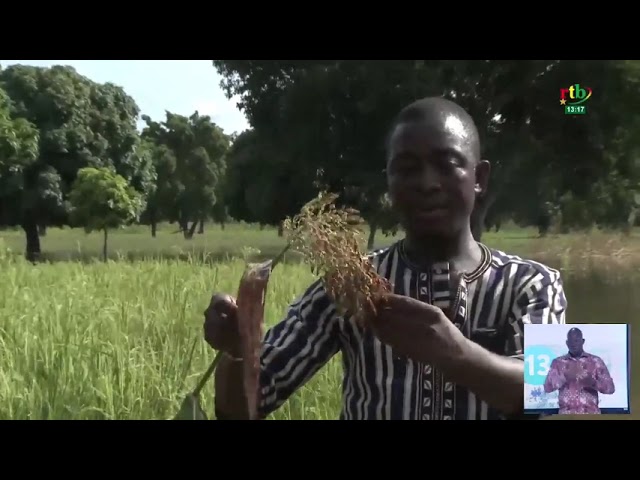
x=323 y=125
x=101 y=199
x=80 y=123
x=189 y=155
x=333 y=117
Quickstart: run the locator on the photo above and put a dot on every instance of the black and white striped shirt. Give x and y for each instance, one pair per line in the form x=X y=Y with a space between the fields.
x=493 y=303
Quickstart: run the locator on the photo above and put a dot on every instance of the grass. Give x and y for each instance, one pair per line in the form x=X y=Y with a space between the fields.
x=112 y=341
x=93 y=340
x=575 y=251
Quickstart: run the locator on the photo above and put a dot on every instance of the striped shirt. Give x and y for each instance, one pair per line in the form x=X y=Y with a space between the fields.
x=492 y=305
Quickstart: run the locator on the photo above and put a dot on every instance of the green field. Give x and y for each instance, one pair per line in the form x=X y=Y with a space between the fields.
x=93 y=340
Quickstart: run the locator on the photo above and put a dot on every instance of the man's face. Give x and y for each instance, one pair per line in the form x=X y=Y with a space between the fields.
x=575 y=343
x=433 y=176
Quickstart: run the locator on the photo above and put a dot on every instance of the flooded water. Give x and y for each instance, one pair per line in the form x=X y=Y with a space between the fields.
x=608 y=298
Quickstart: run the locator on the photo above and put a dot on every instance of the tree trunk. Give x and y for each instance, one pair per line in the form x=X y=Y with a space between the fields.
x=42 y=230
x=261 y=226
x=104 y=247
x=479 y=215
x=222 y=224
x=373 y=228
x=188 y=233
x=30 y=228
x=201 y=227
x=154 y=228
x=184 y=225
x=281 y=229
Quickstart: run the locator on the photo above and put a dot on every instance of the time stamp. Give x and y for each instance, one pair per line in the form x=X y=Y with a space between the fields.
x=575 y=109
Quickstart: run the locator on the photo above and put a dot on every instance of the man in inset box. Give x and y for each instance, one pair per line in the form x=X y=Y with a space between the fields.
x=579 y=376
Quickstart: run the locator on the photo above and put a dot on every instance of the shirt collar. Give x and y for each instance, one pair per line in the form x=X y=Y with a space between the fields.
x=584 y=354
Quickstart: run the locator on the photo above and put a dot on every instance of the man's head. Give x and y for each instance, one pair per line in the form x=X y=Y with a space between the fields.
x=434 y=169
x=575 y=342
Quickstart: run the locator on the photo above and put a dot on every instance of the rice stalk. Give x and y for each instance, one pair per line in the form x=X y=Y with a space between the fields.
x=329 y=240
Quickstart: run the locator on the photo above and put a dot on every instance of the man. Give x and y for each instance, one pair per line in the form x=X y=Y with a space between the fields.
x=415 y=362
x=579 y=376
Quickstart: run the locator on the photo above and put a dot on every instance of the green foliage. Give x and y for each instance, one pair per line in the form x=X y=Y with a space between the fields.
x=101 y=199
x=189 y=157
x=18 y=153
x=98 y=345
x=333 y=116
x=323 y=125
x=18 y=138
x=263 y=184
x=79 y=124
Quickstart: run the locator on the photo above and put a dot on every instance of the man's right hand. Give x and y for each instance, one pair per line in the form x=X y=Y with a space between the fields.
x=573 y=371
x=221 y=325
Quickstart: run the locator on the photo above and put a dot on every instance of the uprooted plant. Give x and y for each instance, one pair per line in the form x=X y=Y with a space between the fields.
x=329 y=239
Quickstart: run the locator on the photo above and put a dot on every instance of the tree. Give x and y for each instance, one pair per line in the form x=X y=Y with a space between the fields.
x=161 y=203
x=80 y=124
x=220 y=211
x=101 y=200
x=189 y=155
x=262 y=183
x=333 y=114
x=18 y=154
x=328 y=120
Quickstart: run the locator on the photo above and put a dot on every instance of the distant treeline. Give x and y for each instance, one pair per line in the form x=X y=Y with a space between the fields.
x=317 y=125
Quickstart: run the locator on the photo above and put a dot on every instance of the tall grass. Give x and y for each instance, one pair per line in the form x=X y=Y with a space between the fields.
x=93 y=340
x=113 y=341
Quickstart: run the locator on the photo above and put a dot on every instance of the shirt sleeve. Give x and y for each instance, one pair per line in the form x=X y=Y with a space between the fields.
x=297 y=347
x=539 y=299
x=604 y=382
x=555 y=379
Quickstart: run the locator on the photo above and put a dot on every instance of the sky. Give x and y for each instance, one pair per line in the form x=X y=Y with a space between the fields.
x=180 y=86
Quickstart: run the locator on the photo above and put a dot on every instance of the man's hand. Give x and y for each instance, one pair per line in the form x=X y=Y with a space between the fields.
x=589 y=383
x=573 y=372
x=221 y=325
x=416 y=330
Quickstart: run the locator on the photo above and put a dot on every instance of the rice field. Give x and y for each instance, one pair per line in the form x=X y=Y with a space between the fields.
x=123 y=339
x=115 y=341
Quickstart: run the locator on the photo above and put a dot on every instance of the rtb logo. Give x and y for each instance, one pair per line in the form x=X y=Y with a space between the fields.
x=572 y=99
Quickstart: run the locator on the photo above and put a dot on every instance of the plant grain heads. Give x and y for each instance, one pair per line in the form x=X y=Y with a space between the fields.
x=329 y=239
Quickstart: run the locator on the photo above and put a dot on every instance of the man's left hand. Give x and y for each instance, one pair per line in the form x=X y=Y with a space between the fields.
x=417 y=330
